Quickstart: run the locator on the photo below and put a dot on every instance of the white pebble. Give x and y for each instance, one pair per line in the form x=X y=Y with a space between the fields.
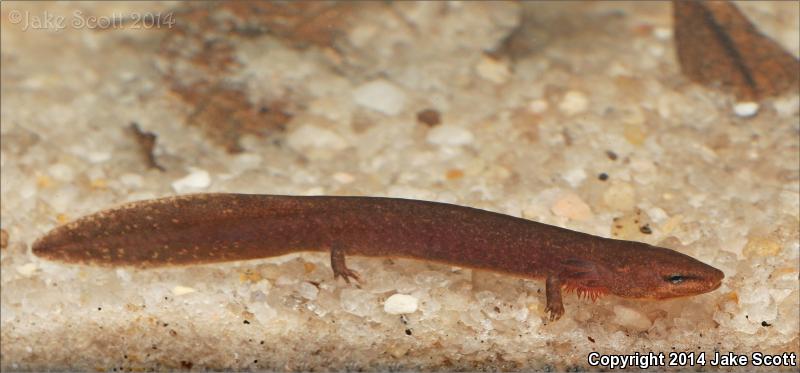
x=182 y=290
x=27 y=269
x=60 y=171
x=357 y=302
x=574 y=102
x=98 y=156
x=344 y=177
x=538 y=106
x=574 y=177
x=196 y=179
x=381 y=96
x=745 y=109
x=493 y=70
x=123 y=275
x=131 y=180
x=571 y=206
x=657 y=214
x=308 y=291
x=309 y=136
x=663 y=33
x=621 y=196
x=247 y=161
x=448 y=134
x=631 y=318
x=787 y=106
x=400 y=304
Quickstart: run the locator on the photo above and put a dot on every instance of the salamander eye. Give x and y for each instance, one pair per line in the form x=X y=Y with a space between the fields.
x=675 y=279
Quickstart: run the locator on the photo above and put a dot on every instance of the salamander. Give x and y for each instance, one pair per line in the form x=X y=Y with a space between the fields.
x=206 y=228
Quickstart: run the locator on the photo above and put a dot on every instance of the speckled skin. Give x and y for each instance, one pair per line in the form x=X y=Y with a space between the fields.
x=205 y=228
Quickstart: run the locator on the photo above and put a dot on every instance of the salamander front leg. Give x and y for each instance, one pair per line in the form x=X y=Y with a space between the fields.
x=553 y=293
x=339 y=267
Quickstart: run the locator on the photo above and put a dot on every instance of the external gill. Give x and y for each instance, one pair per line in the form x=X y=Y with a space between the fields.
x=593 y=293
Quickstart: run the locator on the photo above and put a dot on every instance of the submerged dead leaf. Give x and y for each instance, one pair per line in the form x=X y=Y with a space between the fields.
x=201 y=65
x=225 y=114
x=718 y=47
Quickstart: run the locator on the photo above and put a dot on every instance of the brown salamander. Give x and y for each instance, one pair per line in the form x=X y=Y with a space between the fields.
x=205 y=228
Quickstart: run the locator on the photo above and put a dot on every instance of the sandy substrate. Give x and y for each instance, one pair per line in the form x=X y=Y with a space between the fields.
x=586 y=123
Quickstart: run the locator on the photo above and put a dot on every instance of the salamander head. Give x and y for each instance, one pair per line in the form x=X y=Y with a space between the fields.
x=644 y=271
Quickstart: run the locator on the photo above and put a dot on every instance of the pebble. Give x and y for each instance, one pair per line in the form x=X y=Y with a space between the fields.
x=745 y=109
x=493 y=70
x=574 y=177
x=196 y=179
x=761 y=247
x=635 y=134
x=131 y=180
x=570 y=205
x=574 y=102
x=61 y=172
x=620 y=196
x=631 y=318
x=450 y=135
x=430 y=117
x=787 y=106
x=307 y=291
x=380 y=95
x=357 y=302
x=628 y=226
x=27 y=269
x=98 y=156
x=538 y=106
x=182 y=290
x=309 y=136
x=663 y=33
x=400 y=304
x=245 y=161
x=657 y=214
x=343 y=177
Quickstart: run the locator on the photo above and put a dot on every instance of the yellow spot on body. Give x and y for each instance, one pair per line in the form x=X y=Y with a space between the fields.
x=62 y=218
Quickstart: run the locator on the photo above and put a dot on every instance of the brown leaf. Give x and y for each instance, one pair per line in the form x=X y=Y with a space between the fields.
x=199 y=56
x=718 y=47
x=225 y=114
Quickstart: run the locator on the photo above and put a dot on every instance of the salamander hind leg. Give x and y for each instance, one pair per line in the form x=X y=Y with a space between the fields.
x=339 y=267
x=553 y=293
